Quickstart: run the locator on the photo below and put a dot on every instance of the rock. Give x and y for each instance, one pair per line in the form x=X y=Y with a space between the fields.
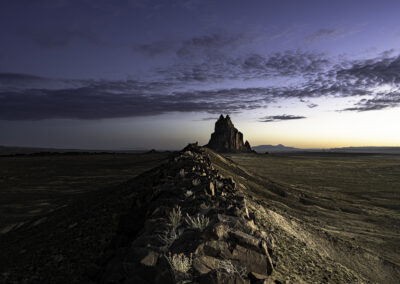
x=220 y=231
x=226 y=138
x=245 y=239
x=219 y=277
x=252 y=260
x=255 y=277
x=150 y=259
x=211 y=189
x=267 y=281
x=215 y=249
x=204 y=264
x=251 y=226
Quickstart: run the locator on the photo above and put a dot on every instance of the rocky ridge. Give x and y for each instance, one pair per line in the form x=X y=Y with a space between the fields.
x=227 y=139
x=191 y=224
x=191 y=216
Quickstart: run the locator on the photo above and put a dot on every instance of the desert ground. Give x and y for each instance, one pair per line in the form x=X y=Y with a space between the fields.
x=35 y=185
x=353 y=196
x=343 y=207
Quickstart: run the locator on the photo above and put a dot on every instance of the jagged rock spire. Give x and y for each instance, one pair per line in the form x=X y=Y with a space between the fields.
x=226 y=138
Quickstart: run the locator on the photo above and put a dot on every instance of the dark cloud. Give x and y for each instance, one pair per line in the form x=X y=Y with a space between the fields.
x=208 y=118
x=373 y=72
x=16 y=82
x=333 y=33
x=322 y=33
x=283 y=117
x=365 y=77
x=211 y=44
x=245 y=67
x=32 y=97
x=297 y=62
x=223 y=55
x=60 y=37
x=112 y=99
x=380 y=101
x=155 y=48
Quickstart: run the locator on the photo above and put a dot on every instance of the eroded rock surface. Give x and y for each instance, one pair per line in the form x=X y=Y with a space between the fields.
x=226 y=138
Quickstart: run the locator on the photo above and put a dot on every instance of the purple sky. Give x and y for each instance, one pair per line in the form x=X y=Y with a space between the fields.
x=142 y=73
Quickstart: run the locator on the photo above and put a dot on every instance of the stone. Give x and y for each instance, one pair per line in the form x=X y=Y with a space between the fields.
x=204 y=264
x=212 y=189
x=245 y=239
x=226 y=138
x=215 y=249
x=220 y=231
x=252 y=260
x=219 y=277
x=267 y=281
x=254 y=276
x=150 y=259
x=251 y=226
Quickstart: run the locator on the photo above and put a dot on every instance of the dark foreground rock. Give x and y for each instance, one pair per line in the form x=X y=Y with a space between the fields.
x=227 y=139
x=189 y=225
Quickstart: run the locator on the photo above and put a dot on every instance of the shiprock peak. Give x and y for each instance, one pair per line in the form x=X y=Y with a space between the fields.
x=226 y=138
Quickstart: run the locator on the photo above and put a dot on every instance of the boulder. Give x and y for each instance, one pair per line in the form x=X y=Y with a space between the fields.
x=205 y=264
x=252 y=260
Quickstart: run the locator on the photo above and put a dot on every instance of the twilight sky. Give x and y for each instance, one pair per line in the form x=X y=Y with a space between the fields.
x=121 y=74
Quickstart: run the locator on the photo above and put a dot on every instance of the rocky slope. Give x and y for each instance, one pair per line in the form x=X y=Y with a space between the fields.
x=195 y=221
x=226 y=138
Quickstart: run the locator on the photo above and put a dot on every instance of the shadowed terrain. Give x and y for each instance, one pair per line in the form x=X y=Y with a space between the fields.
x=301 y=208
x=35 y=185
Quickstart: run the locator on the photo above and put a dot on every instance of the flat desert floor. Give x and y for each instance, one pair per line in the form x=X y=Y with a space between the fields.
x=32 y=186
x=355 y=197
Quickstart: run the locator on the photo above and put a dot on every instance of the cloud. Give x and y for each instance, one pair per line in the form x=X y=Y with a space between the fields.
x=374 y=82
x=333 y=33
x=155 y=48
x=222 y=55
x=373 y=72
x=322 y=33
x=113 y=99
x=208 y=118
x=60 y=37
x=246 y=67
x=210 y=44
x=379 y=102
x=297 y=62
x=283 y=117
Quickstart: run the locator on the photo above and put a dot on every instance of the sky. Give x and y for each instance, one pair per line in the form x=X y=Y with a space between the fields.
x=141 y=74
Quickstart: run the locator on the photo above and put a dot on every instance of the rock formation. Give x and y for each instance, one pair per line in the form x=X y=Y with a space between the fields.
x=191 y=226
x=226 y=138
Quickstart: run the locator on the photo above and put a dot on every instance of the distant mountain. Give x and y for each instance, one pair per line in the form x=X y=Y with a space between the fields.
x=368 y=149
x=365 y=149
x=272 y=148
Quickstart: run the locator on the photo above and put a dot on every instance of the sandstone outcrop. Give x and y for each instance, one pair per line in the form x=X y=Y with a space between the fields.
x=226 y=138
